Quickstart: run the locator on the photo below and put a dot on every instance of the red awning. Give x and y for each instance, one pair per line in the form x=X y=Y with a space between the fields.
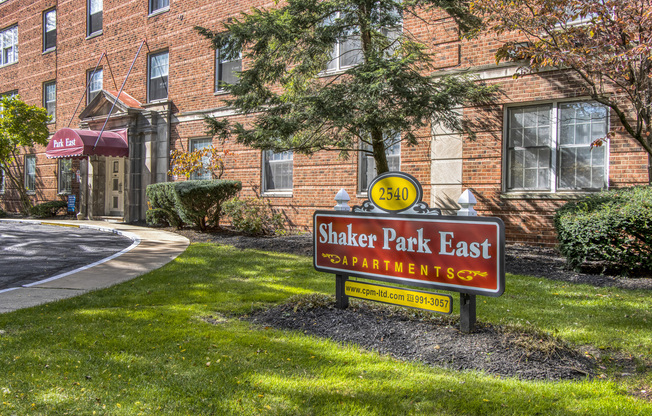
x=72 y=143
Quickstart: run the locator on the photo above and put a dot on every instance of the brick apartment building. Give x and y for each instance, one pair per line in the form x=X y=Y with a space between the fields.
x=531 y=154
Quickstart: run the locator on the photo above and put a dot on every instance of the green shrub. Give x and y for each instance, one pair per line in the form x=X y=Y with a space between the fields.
x=613 y=228
x=48 y=209
x=162 y=201
x=200 y=202
x=157 y=217
x=3 y=214
x=252 y=216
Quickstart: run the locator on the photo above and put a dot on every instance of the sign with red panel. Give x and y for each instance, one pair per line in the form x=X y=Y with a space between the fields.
x=460 y=254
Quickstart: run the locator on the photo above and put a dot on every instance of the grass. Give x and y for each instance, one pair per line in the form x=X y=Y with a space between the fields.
x=149 y=347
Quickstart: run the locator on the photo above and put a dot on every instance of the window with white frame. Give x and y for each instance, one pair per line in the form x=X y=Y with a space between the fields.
x=30 y=173
x=157 y=77
x=226 y=70
x=9 y=46
x=367 y=164
x=345 y=53
x=549 y=147
x=198 y=144
x=575 y=16
x=348 y=53
x=277 y=171
x=158 y=6
x=49 y=30
x=65 y=176
x=2 y=181
x=94 y=18
x=95 y=83
x=50 y=98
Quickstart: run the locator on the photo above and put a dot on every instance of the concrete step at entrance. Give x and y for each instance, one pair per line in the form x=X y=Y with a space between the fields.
x=111 y=219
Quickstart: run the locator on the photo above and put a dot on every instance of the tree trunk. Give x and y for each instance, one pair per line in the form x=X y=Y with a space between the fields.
x=649 y=169
x=378 y=145
x=19 y=185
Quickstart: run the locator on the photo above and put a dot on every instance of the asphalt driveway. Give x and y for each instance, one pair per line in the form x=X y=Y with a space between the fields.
x=31 y=252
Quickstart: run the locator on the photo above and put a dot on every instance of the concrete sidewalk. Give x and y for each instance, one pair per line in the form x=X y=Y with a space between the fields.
x=152 y=249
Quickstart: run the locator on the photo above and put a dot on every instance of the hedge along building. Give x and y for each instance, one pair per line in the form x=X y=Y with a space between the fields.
x=174 y=84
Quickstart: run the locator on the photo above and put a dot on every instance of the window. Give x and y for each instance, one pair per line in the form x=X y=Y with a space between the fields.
x=2 y=181
x=95 y=83
x=367 y=164
x=345 y=54
x=549 y=147
x=198 y=144
x=50 y=98
x=226 y=71
x=65 y=176
x=9 y=46
x=49 y=30
x=277 y=171
x=94 y=18
x=157 y=78
x=348 y=53
x=30 y=173
x=574 y=16
x=158 y=5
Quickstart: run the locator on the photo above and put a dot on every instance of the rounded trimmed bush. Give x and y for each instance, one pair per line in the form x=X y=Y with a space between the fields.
x=161 y=201
x=613 y=228
x=200 y=202
x=191 y=202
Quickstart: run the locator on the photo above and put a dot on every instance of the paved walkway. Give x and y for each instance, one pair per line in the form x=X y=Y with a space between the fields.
x=151 y=249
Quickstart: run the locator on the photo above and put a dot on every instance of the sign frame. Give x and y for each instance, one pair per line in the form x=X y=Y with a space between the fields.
x=500 y=240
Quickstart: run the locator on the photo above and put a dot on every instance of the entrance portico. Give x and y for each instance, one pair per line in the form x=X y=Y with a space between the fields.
x=116 y=163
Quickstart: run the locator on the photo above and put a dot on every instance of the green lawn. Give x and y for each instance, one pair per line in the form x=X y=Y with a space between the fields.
x=149 y=347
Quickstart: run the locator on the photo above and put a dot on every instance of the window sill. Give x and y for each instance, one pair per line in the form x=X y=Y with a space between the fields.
x=45 y=52
x=277 y=194
x=333 y=72
x=9 y=64
x=94 y=35
x=547 y=195
x=64 y=193
x=160 y=101
x=221 y=92
x=159 y=11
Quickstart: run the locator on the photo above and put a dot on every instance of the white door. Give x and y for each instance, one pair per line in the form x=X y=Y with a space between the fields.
x=114 y=186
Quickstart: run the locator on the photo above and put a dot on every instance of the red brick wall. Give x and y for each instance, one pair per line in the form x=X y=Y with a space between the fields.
x=191 y=88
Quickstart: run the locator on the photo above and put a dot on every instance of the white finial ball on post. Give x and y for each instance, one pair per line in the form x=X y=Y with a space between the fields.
x=467 y=201
x=342 y=198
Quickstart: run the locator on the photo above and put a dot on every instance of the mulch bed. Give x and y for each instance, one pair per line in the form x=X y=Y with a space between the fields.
x=437 y=341
x=489 y=349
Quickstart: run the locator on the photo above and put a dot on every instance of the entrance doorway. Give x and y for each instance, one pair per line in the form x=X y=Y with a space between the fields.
x=114 y=201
